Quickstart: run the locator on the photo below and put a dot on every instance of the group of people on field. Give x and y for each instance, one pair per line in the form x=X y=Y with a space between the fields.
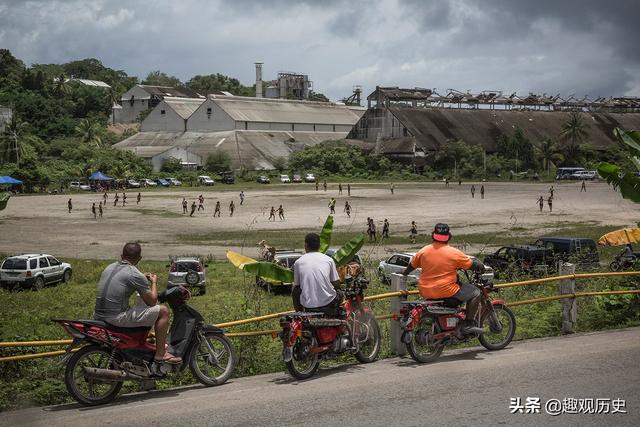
x=97 y=210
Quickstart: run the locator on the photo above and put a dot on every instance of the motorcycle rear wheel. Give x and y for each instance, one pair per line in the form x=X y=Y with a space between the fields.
x=428 y=352
x=307 y=366
x=615 y=266
x=498 y=340
x=369 y=349
x=213 y=359
x=83 y=390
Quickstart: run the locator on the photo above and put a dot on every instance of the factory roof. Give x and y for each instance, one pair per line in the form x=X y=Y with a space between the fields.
x=248 y=149
x=400 y=94
x=434 y=126
x=169 y=91
x=184 y=107
x=96 y=83
x=286 y=111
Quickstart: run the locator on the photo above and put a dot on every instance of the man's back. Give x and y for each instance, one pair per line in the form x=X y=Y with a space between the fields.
x=314 y=272
x=117 y=282
x=439 y=263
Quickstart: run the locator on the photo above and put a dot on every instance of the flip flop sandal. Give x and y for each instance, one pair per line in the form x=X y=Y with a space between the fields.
x=172 y=360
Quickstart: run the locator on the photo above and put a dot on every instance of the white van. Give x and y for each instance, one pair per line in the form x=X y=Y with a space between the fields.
x=205 y=180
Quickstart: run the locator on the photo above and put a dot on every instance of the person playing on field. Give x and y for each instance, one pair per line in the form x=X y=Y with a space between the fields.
x=138 y=198
x=272 y=213
x=124 y=198
x=583 y=187
x=200 y=202
x=550 y=203
x=100 y=209
x=349 y=190
x=324 y=185
x=193 y=208
x=385 y=229
x=281 y=213
x=541 y=203
x=347 y=208
x=185 y=205
x=332 y=206
x=104 y=197
x=340 y=188
x=232 y=207
x=93 y=210
x=241 y=197
x=70 y=205
x=116 y=198
x=473 y=191
x=216 y=211
x=482 y=191
x=413 y=232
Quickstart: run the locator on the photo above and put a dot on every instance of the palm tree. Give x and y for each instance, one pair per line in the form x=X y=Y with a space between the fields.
x=61 y=85
x=89 y=131
x=14 y=140
x=548 y=153
x=575 y=131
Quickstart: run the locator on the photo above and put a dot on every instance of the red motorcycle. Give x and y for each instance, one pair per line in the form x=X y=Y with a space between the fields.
x=308 y=337
x=430 y=325
x=102 y=356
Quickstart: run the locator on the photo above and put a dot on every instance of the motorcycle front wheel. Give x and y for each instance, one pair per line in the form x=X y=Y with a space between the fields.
x=422 y=348
x=85 y=390
x=304 y=362
x=213 y=359
x=495 y=338
x=615 y=266
x=367 y=333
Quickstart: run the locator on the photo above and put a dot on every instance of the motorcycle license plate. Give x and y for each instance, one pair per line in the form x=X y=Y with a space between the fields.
x=452 y=322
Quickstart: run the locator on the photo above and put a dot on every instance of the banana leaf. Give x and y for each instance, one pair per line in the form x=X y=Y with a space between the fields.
x=348 y=251
x=631 y=138
x=4 y=199
x=269 y=271
x=325 y=234
x=627 y=182
x=239 y=260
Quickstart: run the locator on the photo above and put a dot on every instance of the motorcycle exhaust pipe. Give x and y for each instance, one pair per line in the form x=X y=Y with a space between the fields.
x=105 y=374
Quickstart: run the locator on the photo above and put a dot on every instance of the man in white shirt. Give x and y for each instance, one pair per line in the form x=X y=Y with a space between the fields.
x=316 y=281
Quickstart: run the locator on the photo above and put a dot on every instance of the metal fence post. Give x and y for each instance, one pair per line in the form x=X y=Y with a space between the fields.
x=398 y=283
x=569 y=305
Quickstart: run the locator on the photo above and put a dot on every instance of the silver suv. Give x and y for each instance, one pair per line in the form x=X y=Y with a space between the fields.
x=188 y=272
x=34 y=271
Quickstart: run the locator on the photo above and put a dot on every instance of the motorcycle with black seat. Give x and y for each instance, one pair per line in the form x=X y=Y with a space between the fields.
x=430 y=325
x=307 y=336
x=102 y=356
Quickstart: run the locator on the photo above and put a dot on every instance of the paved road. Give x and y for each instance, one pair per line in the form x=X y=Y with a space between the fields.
x=466 y=388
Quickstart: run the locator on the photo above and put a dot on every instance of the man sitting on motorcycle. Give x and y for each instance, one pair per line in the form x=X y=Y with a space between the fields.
x=439 y=277
x=626 y=256
x=316 y=280
x=117 y=283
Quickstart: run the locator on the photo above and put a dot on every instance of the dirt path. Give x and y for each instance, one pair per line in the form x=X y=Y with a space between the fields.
x=42 y=223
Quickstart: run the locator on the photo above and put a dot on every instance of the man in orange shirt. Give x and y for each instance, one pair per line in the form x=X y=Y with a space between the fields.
x=439 y=277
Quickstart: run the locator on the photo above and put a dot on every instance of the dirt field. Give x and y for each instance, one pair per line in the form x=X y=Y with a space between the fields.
x=42 y=223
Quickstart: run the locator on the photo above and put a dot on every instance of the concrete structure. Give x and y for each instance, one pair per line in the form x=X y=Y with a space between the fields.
x=141 y=98
x=258 y=79
x=6 y=114
x=171 y=114
x=253 y=132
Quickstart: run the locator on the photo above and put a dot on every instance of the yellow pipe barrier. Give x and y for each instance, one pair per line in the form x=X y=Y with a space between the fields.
x=567 y=276
x=34 y=356
x=35 y=343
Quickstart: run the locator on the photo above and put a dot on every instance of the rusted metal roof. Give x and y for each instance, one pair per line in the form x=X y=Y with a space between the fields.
x=400 y=94
x=434 y=126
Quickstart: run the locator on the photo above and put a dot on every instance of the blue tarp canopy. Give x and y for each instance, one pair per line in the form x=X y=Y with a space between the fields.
x=9 y=180
x=99 y=176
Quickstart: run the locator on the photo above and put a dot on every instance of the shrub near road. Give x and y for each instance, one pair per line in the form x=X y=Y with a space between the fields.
x=232 y=295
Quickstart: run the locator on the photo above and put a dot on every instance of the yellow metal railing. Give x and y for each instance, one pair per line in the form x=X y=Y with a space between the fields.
x=368 y=298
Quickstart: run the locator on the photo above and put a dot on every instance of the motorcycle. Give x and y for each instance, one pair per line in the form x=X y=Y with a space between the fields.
x=308 y=337
x=102 y=356
x=621 y=263
x=430 y=325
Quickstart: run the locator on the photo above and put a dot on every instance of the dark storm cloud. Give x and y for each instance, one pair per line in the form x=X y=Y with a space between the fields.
x=570 y=46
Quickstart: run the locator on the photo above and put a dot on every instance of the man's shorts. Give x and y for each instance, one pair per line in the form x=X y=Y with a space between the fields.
x=466 y=292
x=136 y=316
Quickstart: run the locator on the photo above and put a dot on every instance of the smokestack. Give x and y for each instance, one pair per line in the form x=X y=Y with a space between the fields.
x=258 y=79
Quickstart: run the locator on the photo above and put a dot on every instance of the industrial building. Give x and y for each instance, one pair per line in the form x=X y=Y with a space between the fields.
x=288 y=85
x=407 y=124
x=254 y=132
x=141 y=98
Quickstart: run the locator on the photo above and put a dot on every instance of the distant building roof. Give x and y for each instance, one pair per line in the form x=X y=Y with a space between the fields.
x=169 y=91
x=184 y=107
x=285 y=111
x=400 y=94
x=96 y=83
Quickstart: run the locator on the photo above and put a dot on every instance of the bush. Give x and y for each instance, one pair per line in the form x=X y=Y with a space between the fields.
x=217 y=162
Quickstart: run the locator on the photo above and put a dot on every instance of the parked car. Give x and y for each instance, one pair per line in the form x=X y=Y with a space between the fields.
x=297 y=178
x=582 y=249
x=397 y=263
x=227 y=178
x=77 y=185
x=285 y=258
x=520 y=258
x=34 y=271
x=205 y=180
x=132 y=183
x=566 y=173
x=580 y=175
x=309 y=178
x=285 y=179
x=162 y=182
x=333 y=249
x=173 y=181
x=263 y=179
x=188 y=272
x=148 y=182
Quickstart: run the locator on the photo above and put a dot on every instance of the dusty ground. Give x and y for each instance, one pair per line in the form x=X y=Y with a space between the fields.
x=42 y=223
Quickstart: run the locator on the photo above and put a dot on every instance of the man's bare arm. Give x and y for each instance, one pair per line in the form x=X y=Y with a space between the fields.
x=151 y=298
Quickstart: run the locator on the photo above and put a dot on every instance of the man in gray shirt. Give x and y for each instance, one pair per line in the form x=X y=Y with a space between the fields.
x=117 y=283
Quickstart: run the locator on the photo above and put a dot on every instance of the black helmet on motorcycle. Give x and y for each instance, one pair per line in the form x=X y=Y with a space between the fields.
x=441 y=233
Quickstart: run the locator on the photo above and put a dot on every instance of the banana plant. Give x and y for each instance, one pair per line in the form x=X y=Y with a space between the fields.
x=4 y=199
x=273 y=272
x=628 y=182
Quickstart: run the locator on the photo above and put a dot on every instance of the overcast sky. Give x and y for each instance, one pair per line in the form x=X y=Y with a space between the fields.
x=554 y=46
